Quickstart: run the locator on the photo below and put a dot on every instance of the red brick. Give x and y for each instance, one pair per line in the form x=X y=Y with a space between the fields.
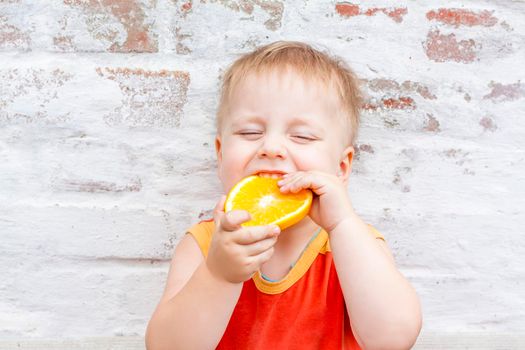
x=431 y=124
x=407 y=87
x=150 y=98
x=12 y=37
x=273 y=8
x=346 y=9
x=399 y=103
x=181 y=47
x=421 y=89
x=458 y=17
x=41 y=87
x=488 y=124
x=395 y=95
x=63 y=42
x=442 y=48
x=402 y=102
x=187 y=6
x=505 y=92
x=132 y=17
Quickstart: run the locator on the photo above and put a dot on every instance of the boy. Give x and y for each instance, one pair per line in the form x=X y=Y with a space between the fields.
x=328 y=282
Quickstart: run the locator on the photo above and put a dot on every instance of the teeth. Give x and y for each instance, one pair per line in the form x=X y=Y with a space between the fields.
x=272 y=176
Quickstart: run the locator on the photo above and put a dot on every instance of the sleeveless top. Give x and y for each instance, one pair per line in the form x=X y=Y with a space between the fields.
x=304 y=310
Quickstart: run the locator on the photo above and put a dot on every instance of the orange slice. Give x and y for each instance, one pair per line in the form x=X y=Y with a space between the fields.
x=261 y=197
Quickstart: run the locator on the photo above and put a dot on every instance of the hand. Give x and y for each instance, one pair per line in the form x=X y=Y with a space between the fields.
x=330 y=205
x=237 y=252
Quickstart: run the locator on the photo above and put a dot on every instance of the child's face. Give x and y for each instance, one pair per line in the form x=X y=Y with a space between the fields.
x=280 y=123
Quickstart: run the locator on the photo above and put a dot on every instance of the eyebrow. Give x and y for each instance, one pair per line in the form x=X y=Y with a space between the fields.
x=301 y=121
x=248 y=119
x=296 y=121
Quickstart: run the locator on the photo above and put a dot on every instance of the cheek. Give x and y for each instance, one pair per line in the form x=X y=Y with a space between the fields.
x=320 y=159
x=235 y=157
x=232 y=167
x=226 y=177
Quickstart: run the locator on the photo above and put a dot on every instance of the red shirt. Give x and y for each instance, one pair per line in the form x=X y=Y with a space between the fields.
x=305 y=310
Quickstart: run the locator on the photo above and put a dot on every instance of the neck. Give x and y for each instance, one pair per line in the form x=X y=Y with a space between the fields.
x=297 y=234
x=289 y=248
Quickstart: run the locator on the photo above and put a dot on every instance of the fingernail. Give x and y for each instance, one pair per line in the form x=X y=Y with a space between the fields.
x=276 y=230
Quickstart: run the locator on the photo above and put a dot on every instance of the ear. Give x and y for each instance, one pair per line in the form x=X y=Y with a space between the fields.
x=218 y=149
x=345 y=165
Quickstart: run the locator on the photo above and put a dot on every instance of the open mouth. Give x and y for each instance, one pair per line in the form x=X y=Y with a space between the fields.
x=271 y=174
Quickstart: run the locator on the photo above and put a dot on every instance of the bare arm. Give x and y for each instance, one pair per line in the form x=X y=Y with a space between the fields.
x=383 y=307
x=195 y=308
x=200 y=294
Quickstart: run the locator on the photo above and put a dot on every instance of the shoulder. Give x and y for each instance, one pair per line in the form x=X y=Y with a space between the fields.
x=371 y=229
x=202 y=233
x=188 y=255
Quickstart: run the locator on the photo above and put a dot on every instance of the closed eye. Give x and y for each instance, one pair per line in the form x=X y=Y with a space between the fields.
x=303 y=138
x=250 y=134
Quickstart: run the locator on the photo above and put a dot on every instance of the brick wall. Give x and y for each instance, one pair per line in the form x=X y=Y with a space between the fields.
x=106 y=148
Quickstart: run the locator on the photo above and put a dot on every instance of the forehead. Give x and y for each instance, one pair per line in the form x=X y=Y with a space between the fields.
x=287 y=78
x=283 y=91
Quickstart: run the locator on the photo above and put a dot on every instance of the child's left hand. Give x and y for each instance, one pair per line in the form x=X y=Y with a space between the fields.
x=330 y=204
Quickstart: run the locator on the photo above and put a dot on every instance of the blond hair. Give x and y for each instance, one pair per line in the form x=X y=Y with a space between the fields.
x=306 y=61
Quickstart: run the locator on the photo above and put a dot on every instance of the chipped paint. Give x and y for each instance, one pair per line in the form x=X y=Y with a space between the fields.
x=33 y=88
x=488 y=124
x=406 y=87
x=461 y=17
x=92 y=186
x=346 y=9
x=273 y=8
x=12 y=37
x=103 y=170
x=431 y=124
x=402 y=102
x=441 y=48
x=149 y=98
x=399 y=180
x=505 y=92
x=129 y=13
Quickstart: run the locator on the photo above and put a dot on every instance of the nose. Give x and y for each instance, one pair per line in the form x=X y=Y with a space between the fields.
x=272 y=147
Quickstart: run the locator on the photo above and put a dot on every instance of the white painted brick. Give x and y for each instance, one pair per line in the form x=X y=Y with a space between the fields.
x=106 y=151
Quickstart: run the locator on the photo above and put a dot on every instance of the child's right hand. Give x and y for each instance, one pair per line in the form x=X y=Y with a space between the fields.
x=237 y=252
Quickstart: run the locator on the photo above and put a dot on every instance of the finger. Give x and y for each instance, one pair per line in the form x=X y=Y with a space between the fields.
x=232 y=220
x=294 y=183
x=284 y=184
x=289 y=178
x=218 y=211
x=312 y=181
x=260 y=246
x=301 y=184
x=255 y=234
x=263 y=257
